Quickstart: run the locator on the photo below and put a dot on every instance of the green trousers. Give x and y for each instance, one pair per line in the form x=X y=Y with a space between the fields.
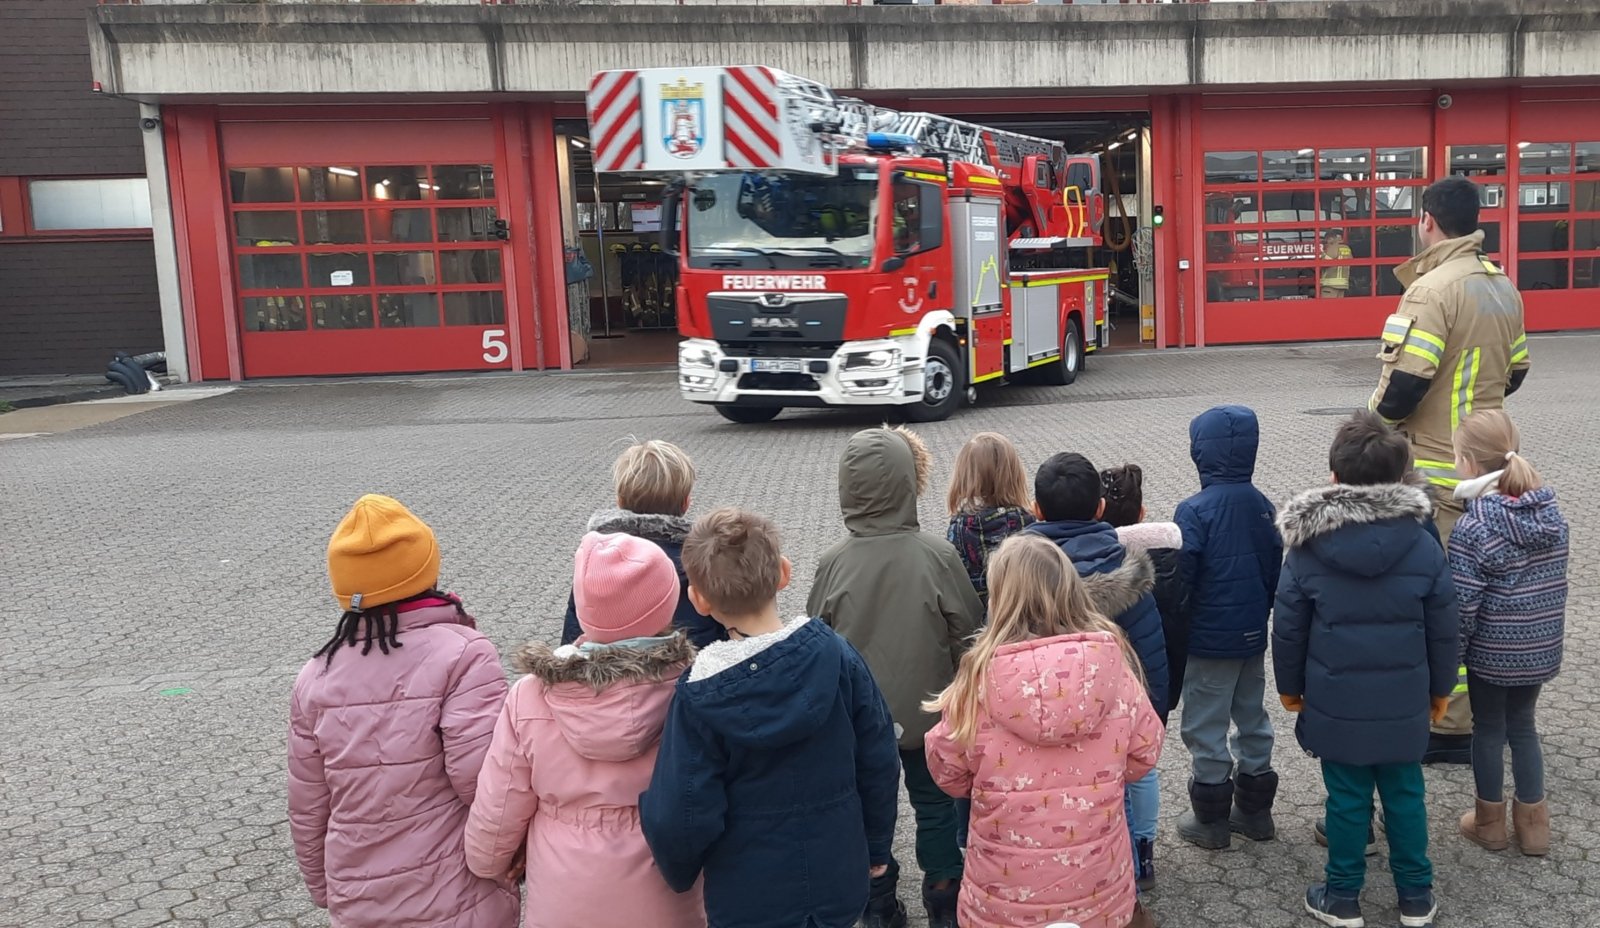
x=1405 y=818
x=938 y=854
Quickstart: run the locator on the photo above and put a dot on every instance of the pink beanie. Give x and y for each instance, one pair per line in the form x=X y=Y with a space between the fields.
x=623 y=587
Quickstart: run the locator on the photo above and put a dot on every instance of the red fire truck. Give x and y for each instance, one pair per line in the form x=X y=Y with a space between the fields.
x=835 y=253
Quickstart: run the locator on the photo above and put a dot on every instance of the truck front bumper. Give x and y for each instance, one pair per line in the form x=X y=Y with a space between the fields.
x=879 y=372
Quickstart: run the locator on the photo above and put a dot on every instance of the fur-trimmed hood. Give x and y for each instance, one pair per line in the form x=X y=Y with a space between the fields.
x=647 y=525
x=1327 y=509
x=609 y=703
x=1117 y=591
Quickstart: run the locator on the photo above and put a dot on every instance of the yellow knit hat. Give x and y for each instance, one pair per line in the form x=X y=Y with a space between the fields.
x=381 y=553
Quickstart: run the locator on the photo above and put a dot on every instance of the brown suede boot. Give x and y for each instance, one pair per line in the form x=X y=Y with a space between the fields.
x=1486 y=826
x=1532 y=824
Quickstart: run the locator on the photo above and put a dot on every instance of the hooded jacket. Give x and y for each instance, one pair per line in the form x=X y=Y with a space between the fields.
x=778 y=778
x=384 y=752
x=1365 y=627
x=574 y=747
x=1062 y=728
x=976 y=535
x=900 y=597
x=668 y=533
x=1121 y=584
x=1508 y=555
x=1231 y=551
x=1163 y=542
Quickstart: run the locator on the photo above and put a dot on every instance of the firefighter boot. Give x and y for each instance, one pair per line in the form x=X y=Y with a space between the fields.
x=884 y=908
x=1252 y=806
x=941 y=903
x=1206 y=824
x=1485 y=826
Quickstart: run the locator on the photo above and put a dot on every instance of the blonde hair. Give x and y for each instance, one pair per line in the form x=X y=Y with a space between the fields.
x=1491 y=442
x=1034 y=592
x=653 y=477
x=988 y=474
x=733 y=559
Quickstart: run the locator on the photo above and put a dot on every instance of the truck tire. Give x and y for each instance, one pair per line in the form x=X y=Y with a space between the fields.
x=1065 y=369
x=748 y=415
x=944 y=385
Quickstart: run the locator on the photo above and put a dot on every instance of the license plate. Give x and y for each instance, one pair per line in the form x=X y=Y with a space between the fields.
x=775 y=366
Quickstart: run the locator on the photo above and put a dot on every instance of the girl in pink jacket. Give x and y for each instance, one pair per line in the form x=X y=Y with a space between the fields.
x=388 y=727
x=576 y=744
x=1045 y=723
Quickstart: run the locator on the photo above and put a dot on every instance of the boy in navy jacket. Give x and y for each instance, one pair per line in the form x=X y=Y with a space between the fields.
x=1231 y=556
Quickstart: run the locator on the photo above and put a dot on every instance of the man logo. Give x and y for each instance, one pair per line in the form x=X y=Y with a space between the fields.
x=773 y=322
x=773 y=299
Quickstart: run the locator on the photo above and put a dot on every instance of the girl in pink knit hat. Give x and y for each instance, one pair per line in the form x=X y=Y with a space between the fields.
x=576 y=744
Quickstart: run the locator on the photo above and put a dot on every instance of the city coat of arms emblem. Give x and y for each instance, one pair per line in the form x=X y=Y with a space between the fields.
x=683 y=114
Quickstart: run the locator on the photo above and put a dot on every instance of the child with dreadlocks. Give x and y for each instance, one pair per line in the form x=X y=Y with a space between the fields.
x=389 y=724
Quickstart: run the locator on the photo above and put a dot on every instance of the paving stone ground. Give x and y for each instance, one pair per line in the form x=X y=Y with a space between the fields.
x=163 y=579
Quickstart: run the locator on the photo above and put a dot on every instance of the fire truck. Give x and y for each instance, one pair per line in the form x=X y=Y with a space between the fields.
x=836 y=253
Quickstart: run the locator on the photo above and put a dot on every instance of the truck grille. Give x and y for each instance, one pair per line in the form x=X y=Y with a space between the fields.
x=800 y=318
x=790 y=382
x=779 y=348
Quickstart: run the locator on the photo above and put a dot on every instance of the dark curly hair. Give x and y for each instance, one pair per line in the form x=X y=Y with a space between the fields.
x=382 y=625
x=1124 y=494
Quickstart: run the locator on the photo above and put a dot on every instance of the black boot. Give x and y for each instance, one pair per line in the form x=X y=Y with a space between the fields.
x=884 y=908
x=1144 y=852
x=1252 y=808
x=941 y=904
x=1207 y=824
x=1448 y=749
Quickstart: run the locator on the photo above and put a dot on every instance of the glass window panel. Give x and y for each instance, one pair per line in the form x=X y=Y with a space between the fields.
x=401 y=225
x=1476 y=160
x=1544 y=197
x=1339 y=203
x=335 y=227
x=1585 y=234
x=1388 y=284
x=342 y=311
x=1545 y=157
x=464 y=181
x=270 y=272
x=1286 y=206
x=466 y=223
x=1231 y=167
x=1397 y=241
x=404 y=268
x=1395 y=202
x=1289 y=244
x=1546 y=235
x=1232 y=207
x=1586 y=196
x=1401 y=164
x=474 y=308
x=1586 y=158
x=408 y=310
x=1288 y=165
x=334 y=184
x=107 y=203
x=338 y=269
x=470 y=267
x=1491 y=237
x=1586 y=273
x=1360 y=283
x=274 y=314
x=1344 y=164
x=1359 y=240
x=399 y=183
x=1491 y=196
x=1235 y=286
x=264 y=228
x=261 y=185
x=1542 y=274
x=1284 y=283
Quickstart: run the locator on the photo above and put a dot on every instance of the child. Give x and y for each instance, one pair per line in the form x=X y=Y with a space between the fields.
x=1364 y=649
x=1123 y=489
x=388 y=726
x=1070 y=501
x=1231 y=558
x=1045 y=719
x=778 y=776
x=903 y=600
x=1508 y=554
x=988 y=502
x=575 y=747
x=653 y=480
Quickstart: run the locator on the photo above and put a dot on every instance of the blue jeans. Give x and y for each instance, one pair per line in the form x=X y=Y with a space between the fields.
x=1218 y=693
x=1141 y=801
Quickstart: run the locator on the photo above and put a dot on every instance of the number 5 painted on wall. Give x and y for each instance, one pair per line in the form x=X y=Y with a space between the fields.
x=494 y=346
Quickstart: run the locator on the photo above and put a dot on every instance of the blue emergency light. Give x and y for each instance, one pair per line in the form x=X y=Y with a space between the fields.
x=890 y=141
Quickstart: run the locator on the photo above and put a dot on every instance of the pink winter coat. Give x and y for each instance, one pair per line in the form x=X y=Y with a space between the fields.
x=1063 y=726
x=574 y=748
x=384 y=751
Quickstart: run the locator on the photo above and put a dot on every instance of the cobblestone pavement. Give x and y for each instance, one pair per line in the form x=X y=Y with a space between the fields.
x=163 y=579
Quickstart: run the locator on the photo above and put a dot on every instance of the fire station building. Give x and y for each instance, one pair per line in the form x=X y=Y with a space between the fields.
x=367 y=188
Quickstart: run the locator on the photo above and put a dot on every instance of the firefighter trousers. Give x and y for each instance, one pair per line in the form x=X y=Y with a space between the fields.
x=1458 y=717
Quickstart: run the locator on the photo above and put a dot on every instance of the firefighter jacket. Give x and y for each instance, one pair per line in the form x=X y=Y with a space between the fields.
x=1455 y=344
x=1337 y=277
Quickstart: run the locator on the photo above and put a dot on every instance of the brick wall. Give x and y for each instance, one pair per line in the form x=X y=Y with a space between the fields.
x=65 y=307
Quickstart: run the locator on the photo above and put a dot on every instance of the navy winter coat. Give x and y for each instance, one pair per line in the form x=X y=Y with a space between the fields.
x=1121 y=584
x=668 y=533
x=778 y=778
x=1231 y=551
x=1366 y=623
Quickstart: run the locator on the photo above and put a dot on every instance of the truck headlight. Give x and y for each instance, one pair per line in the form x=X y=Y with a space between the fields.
x=880 y=360
x=696 y=357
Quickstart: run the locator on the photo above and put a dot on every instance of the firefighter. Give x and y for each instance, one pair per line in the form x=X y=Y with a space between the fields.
x=1455 y=344
x=1335 y=278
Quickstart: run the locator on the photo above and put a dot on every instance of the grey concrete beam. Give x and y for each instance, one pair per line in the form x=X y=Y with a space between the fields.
x=272 y=49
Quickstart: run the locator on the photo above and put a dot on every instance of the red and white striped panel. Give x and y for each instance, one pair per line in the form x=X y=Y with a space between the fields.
x=616 y=122
x=750 y=115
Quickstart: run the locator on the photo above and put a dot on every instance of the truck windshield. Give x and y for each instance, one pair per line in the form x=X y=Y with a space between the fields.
x=783 y=219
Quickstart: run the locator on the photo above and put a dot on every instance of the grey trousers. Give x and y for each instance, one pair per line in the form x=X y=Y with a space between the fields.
x=1219 y=694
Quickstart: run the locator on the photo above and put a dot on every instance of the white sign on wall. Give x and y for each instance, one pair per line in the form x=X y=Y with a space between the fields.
x=342 y=279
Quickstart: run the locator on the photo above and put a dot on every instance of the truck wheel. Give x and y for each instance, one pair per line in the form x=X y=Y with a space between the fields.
x=748 y=415
x=944 y=385
x=1065 y=369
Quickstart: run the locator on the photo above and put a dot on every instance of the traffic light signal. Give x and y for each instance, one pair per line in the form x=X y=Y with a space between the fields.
x=1157 y=217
